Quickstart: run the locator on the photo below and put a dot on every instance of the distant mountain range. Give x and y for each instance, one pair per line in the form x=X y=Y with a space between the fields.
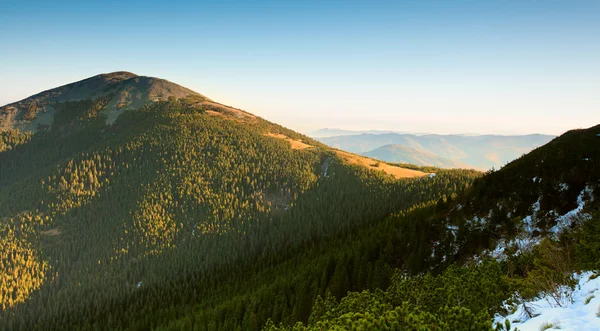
x=482 y=151
x=403 y=154
x=332 y=132
x=327 y=132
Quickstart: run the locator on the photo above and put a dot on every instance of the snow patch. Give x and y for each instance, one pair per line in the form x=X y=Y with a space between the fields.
x=578 y=312
x=479 y=223
x=452 y=228
x=527 y=222
x=564 y=187
x=525 y=240
x=564 y=221
x=433 y=247
x=139 y=284
x=523 y=243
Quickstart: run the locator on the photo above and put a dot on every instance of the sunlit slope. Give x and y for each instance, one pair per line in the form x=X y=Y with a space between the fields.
x=396 y=171
x=103 y=220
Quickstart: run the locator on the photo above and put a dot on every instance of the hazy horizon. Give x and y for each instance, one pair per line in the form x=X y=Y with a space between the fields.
x=509 y=67
x=377 y=131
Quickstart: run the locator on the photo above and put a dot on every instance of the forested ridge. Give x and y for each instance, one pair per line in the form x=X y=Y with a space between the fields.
x=179 y=207
x=516 y=234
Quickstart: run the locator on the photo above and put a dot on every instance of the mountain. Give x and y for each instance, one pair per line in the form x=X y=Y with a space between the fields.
x=402 y=154
x=484 y=152
x=128 y=202
x=186 y=214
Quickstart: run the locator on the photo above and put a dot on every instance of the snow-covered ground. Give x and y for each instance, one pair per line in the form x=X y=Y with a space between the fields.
x=578 y=314
x=567 y=219
x=525 y=241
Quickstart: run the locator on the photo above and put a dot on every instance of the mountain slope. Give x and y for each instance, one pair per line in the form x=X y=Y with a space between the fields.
x=519 y=247
x=182 y=203
x=188 y=214
x=396 y=253
x=402 y=154
x=483 y=152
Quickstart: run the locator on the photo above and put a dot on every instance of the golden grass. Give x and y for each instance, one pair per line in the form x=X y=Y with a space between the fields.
x=215 y=108
x=395 y=171
x=215 y=113
x=296 y=144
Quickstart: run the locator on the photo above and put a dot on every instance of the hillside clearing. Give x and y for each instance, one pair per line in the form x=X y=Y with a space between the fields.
x=395 y=171
x=214 y=108
x=295 y=144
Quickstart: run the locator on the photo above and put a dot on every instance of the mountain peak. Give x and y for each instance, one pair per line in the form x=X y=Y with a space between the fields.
x=110 y=93
x=116 y=76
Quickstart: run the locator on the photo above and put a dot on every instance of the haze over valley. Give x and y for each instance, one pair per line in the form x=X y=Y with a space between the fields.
x=446 y=151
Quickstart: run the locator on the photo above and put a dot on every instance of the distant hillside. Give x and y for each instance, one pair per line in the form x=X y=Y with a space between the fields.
x=109 y=94
x=483 y=152
x=402 y=154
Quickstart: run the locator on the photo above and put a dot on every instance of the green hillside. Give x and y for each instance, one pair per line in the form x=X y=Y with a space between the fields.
x=183 y=213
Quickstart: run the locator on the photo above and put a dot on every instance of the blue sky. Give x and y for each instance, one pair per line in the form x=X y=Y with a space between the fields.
x=418 y=66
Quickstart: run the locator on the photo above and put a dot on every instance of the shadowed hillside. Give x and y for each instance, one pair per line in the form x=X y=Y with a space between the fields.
x=515 y=249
